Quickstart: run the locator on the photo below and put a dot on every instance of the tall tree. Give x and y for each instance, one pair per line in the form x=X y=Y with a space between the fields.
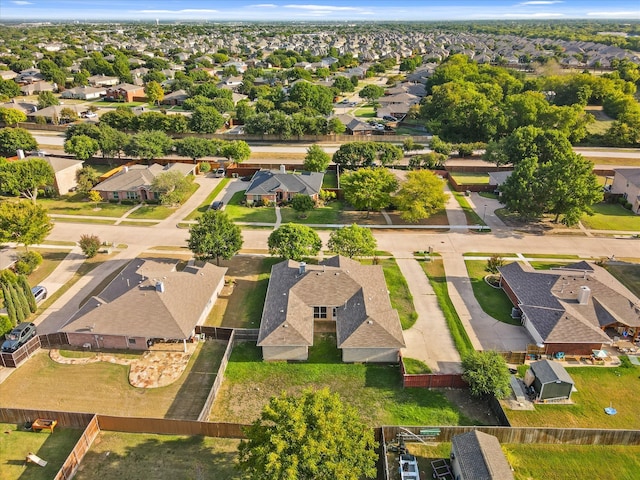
x=82 y=147
x=154 y=92
x=47 y=99
x=294 y=241
x=311 y=436
x=23 y=283
x=316 y=160
x=149 y=145
x=369 y=188
x=172 y=187
x=352 y=241
x=206 y=120
x=111 y=141
x=11 y=116
x=23 y=222
x=371 y=92
x=195 y=148
x=420 y=195
x=14 y=139
x=302 y=204
x=86 y=178
x=25 y=177
x=235 y=150
x=215 y=236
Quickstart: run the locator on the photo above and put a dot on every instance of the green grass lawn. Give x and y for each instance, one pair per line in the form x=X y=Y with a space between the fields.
x=401 y=298
x=471 y=178
x=239 y=213
x=83 y=220
x=50 y=260
x=78 y=205
x=152 y=212
x=493 y=301
x=597 y=389
x=434 y=269
x=374 y=390
x=472 y=217
x=110 y=392
x=366 y=111
x=547 y=265
x=611 y=216
x=330 y=213
x=628 y=275
x=415 y=367
x=330 y=180
x=204 y=206
x=16 y=443
x=161 y=457
x=551 y=462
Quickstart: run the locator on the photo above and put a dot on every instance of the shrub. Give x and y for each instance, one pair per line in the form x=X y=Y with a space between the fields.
x=327 y=195
x=5 y=325
x=27 y=263
x=22 y=268
x=205 y=167
x=90 y=244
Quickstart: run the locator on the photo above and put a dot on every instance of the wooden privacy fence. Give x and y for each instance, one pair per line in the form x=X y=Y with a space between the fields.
x=217 y=383
x=167 y=426
x=431 y=380
x=17 y=358
x=82 y=446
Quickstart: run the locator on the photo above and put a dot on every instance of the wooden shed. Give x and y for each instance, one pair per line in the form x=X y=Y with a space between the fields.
x=551 y=382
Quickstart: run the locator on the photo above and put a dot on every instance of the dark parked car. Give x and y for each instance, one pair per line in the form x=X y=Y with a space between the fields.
x=217 y=205
x=18 y=337
x=389 y=118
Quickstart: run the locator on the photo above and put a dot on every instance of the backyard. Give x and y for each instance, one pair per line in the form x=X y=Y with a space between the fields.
x=470 y=178
x=374 y=390
x=611 y=216
x=16 y=443
x=104 y=387
x=628 y=274
x=598 y=387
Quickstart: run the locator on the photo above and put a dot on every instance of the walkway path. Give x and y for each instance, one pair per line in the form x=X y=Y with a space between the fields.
x=128 y=212
x=455 y=215
x=207 y=184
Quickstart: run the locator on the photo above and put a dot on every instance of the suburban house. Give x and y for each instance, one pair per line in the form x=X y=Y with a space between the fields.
x=103 y=81
x=355 y=126
x=37 y=87
x=339 y=295
x=568 y=309
x=279 y=186
x=64 y=172
x=53 y=113
x=477 y=456
x=84 y=93
x=550 y=381
x=626 y=181
x=124 y=92
x=149 y=301
x=175 y=98
x=134 y=182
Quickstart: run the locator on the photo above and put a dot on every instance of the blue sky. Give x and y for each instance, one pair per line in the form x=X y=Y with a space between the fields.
x=329 y=10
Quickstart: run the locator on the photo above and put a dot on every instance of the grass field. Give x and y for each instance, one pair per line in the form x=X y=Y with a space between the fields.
x=239 y=213
x=161 y=457
x=152 y=212
x=434 y=269
x=597 y=388
x=204 y=206
x=374 y=390
x=415 y=367
x=330 y=213
x=365 y=112
x=330 y=180
x=16 y=443
x=50 y=260
x=78 y=205
x=551 y=462
x=104 y=387
x=493 y=301
x=628 y=275
x=471 y=178
x=83 y=220
x=610 y=216
x=472 y=217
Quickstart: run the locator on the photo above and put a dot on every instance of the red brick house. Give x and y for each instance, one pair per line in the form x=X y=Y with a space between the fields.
x=124 y=92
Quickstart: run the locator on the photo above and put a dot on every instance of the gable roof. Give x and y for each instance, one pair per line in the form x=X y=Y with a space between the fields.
x=135 y=177
x=364 y=316
x=549 y=372
x=632 y=175
x=480 y=457
x=131 y=305
x=267 y=182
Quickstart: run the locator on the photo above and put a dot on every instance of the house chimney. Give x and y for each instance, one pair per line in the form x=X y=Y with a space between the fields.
x=283 y=169
x=302 y=268
x=583 y=295
x=160 y=287
x=125 y=169
x=20 y=153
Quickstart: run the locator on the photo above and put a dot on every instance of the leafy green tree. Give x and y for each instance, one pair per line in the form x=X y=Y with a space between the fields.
x=9 y=88
x=316 y=160
x=18 y=303
x=67 y=115
x=206 y=120
x=294 y=241
x=371 y=92
x=47 y=99
x=311 y=436
x=194 y=147
x=86 y=178
x=343 y=84
x=23 y=283
x=494 y=263
x=152 y=121
x=420 y=195
x=154 y=92
x=11 y=116
x=89 y=129
x=431 y=160
x=215 y=236
x=352 y=241
x=89 y=244
x=122 y=118
x=369 y=188
x=366 y=154
x=172 y=187
x=82 y=147
x=235 y=150
x=302 y=204
x=23 y=222
x=8 y=303
x=111 y=141
x=486 y=373
x=14 y=139
x=25 y=177
x=149 y=145
x=95 y=197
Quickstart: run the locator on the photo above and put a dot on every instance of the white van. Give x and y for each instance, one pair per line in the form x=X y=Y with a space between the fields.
x=39 y=293
x=220 y=172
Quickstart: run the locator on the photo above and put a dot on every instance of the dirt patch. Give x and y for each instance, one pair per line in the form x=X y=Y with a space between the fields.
x=472 y=407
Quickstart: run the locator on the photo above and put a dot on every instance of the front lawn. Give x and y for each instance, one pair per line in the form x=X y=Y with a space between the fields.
x=152 y=212
x=328 y=214
x=598 y=388
x=374 y=390
x=628 y=275
x=161 y=457
x=611 y=216
x=204 y=206
x=16 y=443
x=472 y=217
x=50 y=260
x=365 y=112
x=104 y=387
x=77 y=204
x=493 y=301
x=241 y=213
x=470 y=178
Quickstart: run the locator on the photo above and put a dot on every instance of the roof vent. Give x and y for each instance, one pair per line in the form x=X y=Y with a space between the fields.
x=302 y=268
x=370 y=322
x=583 y=295
x=160 y=287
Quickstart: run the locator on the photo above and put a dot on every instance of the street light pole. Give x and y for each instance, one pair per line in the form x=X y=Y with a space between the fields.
x=484 y=213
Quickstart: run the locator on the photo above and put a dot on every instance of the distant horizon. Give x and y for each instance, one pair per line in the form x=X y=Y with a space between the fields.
x=165 y=11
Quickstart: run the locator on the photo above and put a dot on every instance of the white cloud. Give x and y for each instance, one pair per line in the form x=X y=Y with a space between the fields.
x=179 y=12
x=263 y=5
x=325 y=8
x=532 y=15
x=632 y=14
x=21 y=2
x=541 y=2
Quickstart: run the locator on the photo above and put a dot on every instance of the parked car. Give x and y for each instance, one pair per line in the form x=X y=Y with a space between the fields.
x=18 y=337
x=389 y=118
x=217 y=205
x=220 y=172
x=88 y=114
x=39 y=292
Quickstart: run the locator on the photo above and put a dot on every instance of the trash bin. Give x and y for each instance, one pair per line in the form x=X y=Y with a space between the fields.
x=234 y=175
x=467 y=193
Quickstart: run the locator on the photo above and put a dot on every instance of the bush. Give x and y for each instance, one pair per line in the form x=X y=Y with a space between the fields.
x=27 y=263
x=5 y=325
x=128 y=202
x=205 y=167
x=22 y=268
x=90 y=244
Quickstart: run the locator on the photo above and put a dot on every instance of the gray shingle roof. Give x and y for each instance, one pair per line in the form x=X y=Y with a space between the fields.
x=632 y=175
x=130 y=304
x=364 y=316
x=548 y=372
x=137 y=176
x=267 y=182
x=480 y=457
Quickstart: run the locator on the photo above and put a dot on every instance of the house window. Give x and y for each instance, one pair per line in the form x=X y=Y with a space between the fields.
x=116 y=196
x=319 y=312
x=132 y=341
x=132 y=195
